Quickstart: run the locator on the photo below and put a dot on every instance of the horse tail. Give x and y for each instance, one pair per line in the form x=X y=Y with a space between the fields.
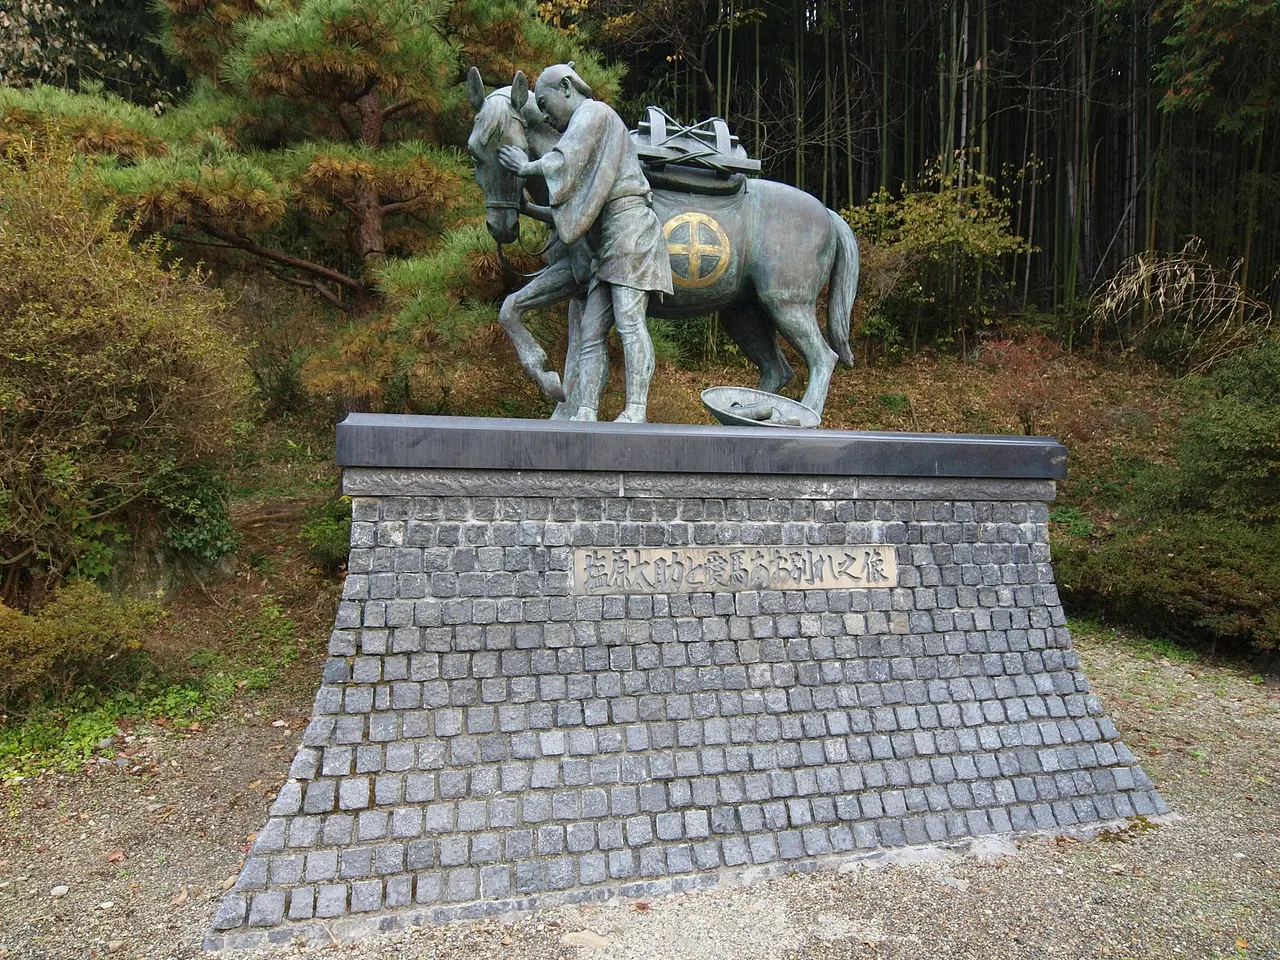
x=842 y=288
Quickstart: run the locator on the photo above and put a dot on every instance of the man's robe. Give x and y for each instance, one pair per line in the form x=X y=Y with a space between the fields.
x=598 y=189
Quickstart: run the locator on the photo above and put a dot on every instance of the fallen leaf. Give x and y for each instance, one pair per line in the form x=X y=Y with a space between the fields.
x=642 y=906
x=116 y=855
x=1242 y=943
x=254 y=784
x=179 y=898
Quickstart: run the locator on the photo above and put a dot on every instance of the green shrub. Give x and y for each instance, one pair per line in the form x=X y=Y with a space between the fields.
x=1229 y=455
x=932 y=260
x=81 y=636
x=195 y=506
x=328 y=535
x=117 y=381
x=1195 y=576
x=1195 y=549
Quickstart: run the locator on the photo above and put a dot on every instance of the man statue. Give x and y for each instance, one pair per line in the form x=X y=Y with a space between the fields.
x=598 y=190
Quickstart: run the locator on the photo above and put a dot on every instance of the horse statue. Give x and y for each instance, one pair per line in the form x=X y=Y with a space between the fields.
x=761 y=254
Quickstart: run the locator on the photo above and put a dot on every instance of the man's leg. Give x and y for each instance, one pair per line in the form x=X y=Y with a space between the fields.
x=593 y=353
x=629 y=309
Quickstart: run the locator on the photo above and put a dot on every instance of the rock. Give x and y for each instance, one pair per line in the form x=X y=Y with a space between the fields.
x=585 y=938
x=61 y=890
x=955 y=882
x=830 y=927
x=230 y=882
x=115 y=946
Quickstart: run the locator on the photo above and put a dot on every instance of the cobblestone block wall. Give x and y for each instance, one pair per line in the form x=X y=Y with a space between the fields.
x=485 y=739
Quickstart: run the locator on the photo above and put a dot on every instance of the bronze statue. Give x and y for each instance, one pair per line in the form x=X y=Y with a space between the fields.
x=760 y=251
x=596 y=186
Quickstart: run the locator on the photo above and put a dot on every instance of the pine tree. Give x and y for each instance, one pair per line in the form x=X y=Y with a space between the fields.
x=320 y=136
x=321 y=142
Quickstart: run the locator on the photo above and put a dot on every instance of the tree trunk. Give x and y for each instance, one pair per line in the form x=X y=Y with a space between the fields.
x=366 y=203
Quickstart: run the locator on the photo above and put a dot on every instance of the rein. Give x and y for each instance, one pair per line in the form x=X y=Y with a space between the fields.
x=507 y=265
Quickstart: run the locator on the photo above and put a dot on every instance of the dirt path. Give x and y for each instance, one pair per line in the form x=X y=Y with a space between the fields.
x=144 y=843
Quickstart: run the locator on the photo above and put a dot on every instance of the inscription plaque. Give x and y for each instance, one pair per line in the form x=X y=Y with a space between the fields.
x=600 y=570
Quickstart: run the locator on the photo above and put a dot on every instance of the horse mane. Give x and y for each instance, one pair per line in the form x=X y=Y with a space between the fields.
x=491 y=118
x=498 y=109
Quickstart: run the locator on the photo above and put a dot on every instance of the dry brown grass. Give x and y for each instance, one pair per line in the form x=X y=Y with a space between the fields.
x=1181 y=308
x=1096 y=407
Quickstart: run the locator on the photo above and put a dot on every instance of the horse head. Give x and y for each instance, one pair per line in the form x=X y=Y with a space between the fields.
x=499 y=121
x=507 y=116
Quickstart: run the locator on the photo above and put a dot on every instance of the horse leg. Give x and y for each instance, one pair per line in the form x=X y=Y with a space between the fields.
x=553 y=285
x=566 y=408
x=593 y=353
x=798 y=322
x=751 y=330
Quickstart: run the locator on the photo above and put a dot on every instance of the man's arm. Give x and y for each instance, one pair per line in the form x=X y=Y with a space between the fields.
x=515 y=160
x=535 y=210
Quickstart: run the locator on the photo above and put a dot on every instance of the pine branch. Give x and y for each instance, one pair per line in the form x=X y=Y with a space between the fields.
x=400 y=206
x=399 y=105
x=306 y=266
x=343 y=121
x=309 y=284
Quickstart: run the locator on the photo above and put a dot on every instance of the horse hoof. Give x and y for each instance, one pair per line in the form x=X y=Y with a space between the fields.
x=631 y=415
x=549 y=384
x=584 y=414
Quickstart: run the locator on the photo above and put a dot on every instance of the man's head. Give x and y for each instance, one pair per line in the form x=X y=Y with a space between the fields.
x=559 y=92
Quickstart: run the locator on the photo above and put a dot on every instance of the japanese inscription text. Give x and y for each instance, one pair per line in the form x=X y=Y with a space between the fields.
x=598 y=570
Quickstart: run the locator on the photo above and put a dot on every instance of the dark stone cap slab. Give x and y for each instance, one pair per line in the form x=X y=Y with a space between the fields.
x=482 y=443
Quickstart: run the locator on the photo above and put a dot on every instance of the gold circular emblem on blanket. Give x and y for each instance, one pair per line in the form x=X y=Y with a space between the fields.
x=699 y=238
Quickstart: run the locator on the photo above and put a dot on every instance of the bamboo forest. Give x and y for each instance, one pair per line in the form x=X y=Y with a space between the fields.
x=1113 y=127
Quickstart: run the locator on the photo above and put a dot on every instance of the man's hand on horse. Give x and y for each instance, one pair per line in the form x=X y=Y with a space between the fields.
x=515 y=160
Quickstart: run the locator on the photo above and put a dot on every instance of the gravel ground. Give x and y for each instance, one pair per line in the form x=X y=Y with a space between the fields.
x=128 y=858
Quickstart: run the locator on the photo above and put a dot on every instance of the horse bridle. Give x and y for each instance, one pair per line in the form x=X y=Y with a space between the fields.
x=513 y=203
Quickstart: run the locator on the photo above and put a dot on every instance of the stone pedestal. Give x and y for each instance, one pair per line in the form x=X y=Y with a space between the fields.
x=575 y=661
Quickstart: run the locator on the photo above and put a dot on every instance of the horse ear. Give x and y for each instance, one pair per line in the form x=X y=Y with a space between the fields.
x=475 y=88
x=519 y=90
